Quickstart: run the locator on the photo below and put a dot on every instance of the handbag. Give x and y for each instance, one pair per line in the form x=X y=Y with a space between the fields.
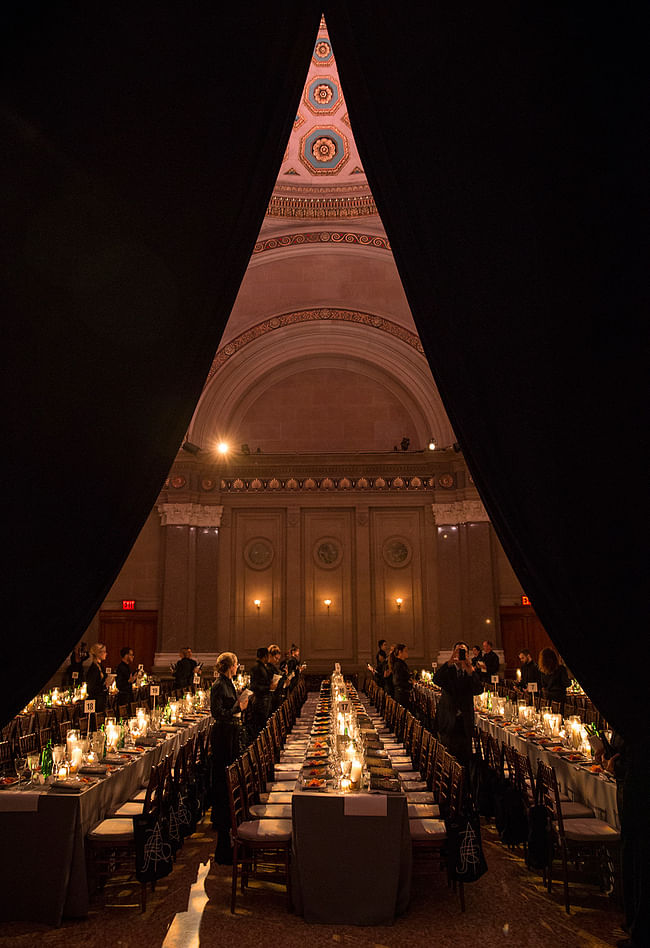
x=465 y=858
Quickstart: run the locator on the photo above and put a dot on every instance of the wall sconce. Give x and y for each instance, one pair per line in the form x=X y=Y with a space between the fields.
x=328 y=603
x=398 y=603
x=258 y=604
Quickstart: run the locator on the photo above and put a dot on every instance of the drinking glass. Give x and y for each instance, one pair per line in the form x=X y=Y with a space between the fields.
x=33 y=762
x=20 y=766
x=58 y=754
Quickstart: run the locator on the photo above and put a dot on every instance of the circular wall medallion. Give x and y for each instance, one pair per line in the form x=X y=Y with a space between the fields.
x=397 y=552
x=207 y=483
x=178 y=481
x=328 y=553
x=446 y=480
x=258 y=553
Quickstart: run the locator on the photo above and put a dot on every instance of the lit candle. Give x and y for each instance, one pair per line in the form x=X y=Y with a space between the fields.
x=355 y=771
x=345 y=784
x=75 y=759
x=62 y=772
x=519 y=674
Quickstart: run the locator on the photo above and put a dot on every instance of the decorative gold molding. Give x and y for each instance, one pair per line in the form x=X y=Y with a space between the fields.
x=317 y=237
x=310 y=316
x=460 y=511
x=193 y=515
x=321 y=207
x=327 y=482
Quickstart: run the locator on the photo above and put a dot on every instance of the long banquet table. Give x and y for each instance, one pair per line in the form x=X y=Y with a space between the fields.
x=43 y=866
x=351 y=855
x=594 y=790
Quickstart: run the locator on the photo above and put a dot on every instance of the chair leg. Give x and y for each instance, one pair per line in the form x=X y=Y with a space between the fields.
x=565 y=869
x=233 y=895
x=287 y=868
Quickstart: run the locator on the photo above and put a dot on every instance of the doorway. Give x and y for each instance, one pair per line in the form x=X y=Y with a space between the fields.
x=138 y=629
x=521 y=628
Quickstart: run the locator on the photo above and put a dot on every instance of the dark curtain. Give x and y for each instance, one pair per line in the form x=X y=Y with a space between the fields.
x=140 y=145
x=502 y=145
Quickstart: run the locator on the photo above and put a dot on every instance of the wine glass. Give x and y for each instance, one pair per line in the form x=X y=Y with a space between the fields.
x=20 y=766
x=58 y=754
x=33 y=762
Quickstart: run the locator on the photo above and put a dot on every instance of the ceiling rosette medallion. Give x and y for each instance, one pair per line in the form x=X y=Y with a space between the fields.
x=324 y=150
x=322 y=96
x=322 y=55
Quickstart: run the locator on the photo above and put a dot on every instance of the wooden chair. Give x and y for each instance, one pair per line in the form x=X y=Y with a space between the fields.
x=254 y=808
x=252 y=839
x=576 y=839
x=28 y=744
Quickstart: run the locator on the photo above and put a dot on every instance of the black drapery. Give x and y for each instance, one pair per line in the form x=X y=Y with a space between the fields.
x=140 y=146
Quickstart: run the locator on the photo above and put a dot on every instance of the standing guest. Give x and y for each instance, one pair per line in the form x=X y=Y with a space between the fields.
x=96 y=677
x=261 y=676
x=294 y=667
x=124 y=677
x=184 y=670
x=459 y=682
x=477 y=655
x=227 y=744
x=488 y=664
x=278 y=689
x=530 y=672
x=400 y=673
x=555 y=677
x=382 y=670
x=77 y=658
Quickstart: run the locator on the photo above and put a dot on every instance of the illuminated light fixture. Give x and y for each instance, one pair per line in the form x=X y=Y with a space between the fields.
x=328 y=603
x=398 y=603
x=222 y=447
x=432 y=444
x=258 y=604
x=488 y=621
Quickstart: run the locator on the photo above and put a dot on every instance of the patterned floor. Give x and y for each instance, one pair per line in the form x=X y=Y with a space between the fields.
x=508 y=907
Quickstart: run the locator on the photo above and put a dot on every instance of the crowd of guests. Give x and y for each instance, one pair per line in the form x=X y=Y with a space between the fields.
x=239 y=719
x=466 y=674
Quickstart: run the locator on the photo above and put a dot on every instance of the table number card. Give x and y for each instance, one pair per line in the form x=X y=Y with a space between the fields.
x=154 y=690
x=108 y=670
x=89 y=706
x=495 y=679
x=531 y=686
x=197 y=679
x=74 y=675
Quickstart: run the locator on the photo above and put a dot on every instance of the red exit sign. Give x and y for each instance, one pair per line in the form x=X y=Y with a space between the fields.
x=128 y=603
x=525 y=601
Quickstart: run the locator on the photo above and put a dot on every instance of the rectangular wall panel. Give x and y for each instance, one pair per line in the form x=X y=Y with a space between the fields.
x=258 y=572
x=328 y=562
x=396 y=550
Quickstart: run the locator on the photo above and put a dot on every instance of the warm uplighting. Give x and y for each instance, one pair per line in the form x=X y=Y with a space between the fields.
x=328 y=603
x=398 y=603
x=258 y=604
x=222 y=447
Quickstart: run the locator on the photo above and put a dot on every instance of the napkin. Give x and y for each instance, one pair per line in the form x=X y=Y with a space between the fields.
x=365 y=804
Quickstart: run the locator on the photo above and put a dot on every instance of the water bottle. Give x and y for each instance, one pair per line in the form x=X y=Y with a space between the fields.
x=46 y=760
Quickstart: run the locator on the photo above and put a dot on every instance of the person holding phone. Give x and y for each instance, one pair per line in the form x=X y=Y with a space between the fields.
x=227 y=740
x=459 y=682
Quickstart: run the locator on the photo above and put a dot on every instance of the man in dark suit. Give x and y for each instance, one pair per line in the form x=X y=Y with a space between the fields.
x=261 y=676
x=124 y=677
x=459 y=682
x=488 y=663
x=529 y=671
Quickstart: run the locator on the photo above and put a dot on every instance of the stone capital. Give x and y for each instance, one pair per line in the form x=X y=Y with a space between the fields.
x=192 y=515
x=460 y=511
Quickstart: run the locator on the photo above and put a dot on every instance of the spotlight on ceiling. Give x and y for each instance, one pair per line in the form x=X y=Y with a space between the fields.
x=432 y=444
x=222 y=447
x=190 y=448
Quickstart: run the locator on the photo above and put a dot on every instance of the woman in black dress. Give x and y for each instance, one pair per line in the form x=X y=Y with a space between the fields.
x=401 y=674
x=96 y=689
x=227 y=745
x=381 y=665
x=555 y=677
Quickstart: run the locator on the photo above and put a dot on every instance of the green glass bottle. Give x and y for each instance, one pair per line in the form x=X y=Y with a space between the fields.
x=46 y=760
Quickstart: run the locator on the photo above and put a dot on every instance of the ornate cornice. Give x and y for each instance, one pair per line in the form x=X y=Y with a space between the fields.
x=310 y=316
x=193 y=515
x=237 y=485
x=309 y=239
x=459 y=511
x=325 y=207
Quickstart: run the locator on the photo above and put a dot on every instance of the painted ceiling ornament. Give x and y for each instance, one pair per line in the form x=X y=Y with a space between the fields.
x=324 y=149
x=322 y=54
x=322 y=95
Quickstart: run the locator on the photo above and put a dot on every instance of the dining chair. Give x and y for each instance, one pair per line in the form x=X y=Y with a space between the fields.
x=252 y=839
x=28 y=743
x=254 y=808
x=578 y=839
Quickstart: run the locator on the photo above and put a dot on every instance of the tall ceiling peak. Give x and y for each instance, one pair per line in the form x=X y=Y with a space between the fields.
x=321 y=162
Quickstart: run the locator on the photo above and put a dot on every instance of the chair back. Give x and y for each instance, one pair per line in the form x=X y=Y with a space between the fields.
x=28 y=743
x=247 y=779
x=548 y=793
x=236 y=797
